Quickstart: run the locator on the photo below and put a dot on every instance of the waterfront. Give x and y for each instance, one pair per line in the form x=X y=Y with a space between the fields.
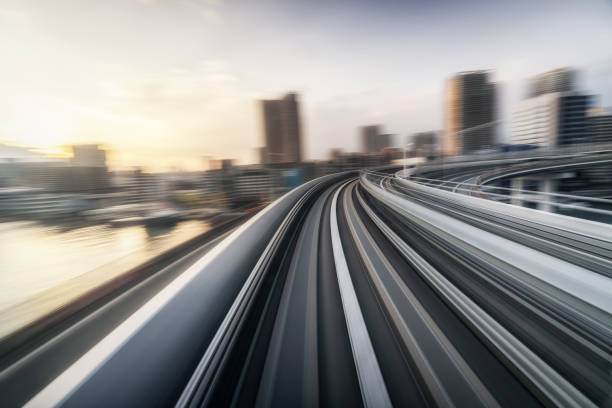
x=44 y=266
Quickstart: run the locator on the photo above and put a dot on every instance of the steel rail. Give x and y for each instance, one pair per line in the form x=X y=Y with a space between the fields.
x=373 y=389
x=553 y=385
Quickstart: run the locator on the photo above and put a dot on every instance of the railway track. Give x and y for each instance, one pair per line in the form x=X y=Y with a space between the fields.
x=365 y=290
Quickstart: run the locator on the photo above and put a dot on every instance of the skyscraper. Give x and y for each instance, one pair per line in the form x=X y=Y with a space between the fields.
x=372 y=141
x=282 y=130
x=470 y=113
x=368 y=138
x=554 y=114
x=573 y=118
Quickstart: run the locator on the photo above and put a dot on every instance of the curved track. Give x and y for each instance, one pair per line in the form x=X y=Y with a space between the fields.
x=366 y=290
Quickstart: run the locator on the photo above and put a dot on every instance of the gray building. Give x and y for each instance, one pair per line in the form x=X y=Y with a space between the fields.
x=555 y=113
x=372 y=141
x=139 y=186
x=425 y=144
x=600 y=123
x=253 y=183
x=471 y=108
x=552 y=119
x=558 y=80
x=282 y=130
x=573 y=119
x=88 y=155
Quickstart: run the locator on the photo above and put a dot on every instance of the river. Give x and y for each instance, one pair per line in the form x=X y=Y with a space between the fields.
x=42 y=267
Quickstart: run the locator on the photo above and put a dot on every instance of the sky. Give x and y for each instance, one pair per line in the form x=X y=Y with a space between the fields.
x=165 y=84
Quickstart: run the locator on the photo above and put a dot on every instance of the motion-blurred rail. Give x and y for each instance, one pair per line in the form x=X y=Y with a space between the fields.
x=363 y=289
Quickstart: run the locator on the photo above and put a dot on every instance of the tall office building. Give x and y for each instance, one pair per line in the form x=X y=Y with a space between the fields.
x=282 y=130
x=535 y=121
x=558 y=80
x=552 y=119
x=372 y=141
x=573 y=118
x=368 y=138
x=554 y=114
x=470 y=113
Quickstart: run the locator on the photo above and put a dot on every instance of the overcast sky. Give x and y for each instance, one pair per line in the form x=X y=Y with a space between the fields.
x=165 y=82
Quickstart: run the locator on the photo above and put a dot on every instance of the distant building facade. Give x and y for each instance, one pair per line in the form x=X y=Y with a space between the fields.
x=600 y=123
x=425 y=144
x=558 y=80
x=88 y=155
x=385 y=141
x=138 y=186
x=552 y=119
x=85 y=172
x=368 y=138
x=573 y=119
x=535 y=121
x=282 y=130
x=88 y=172
x=471 y=103
x=253 y=183
x=372 y=140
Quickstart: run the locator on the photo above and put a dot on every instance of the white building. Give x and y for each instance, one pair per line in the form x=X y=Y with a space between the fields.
x=553 y=119
x=535 y=120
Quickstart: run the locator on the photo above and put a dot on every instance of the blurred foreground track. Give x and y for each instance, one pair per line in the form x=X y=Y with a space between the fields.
x=355 y=289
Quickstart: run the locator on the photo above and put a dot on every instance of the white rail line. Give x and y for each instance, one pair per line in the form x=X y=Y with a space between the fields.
x=373 y=388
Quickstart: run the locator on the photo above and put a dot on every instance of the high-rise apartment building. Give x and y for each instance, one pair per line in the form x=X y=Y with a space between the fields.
x=558 y=80
x=372 y=141
x=282 y=130
x=470 y=113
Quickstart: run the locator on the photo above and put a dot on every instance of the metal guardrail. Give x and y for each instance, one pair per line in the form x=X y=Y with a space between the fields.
x=430 y=181
x=484 y=192
x=519 y=195
x=584 y=284
x=549 y=382
x=540 y=152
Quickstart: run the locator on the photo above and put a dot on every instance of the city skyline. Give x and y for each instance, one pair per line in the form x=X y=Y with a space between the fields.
x=186 y=82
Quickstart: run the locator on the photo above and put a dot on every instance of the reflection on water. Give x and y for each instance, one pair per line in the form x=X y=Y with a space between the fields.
x=45 y=266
